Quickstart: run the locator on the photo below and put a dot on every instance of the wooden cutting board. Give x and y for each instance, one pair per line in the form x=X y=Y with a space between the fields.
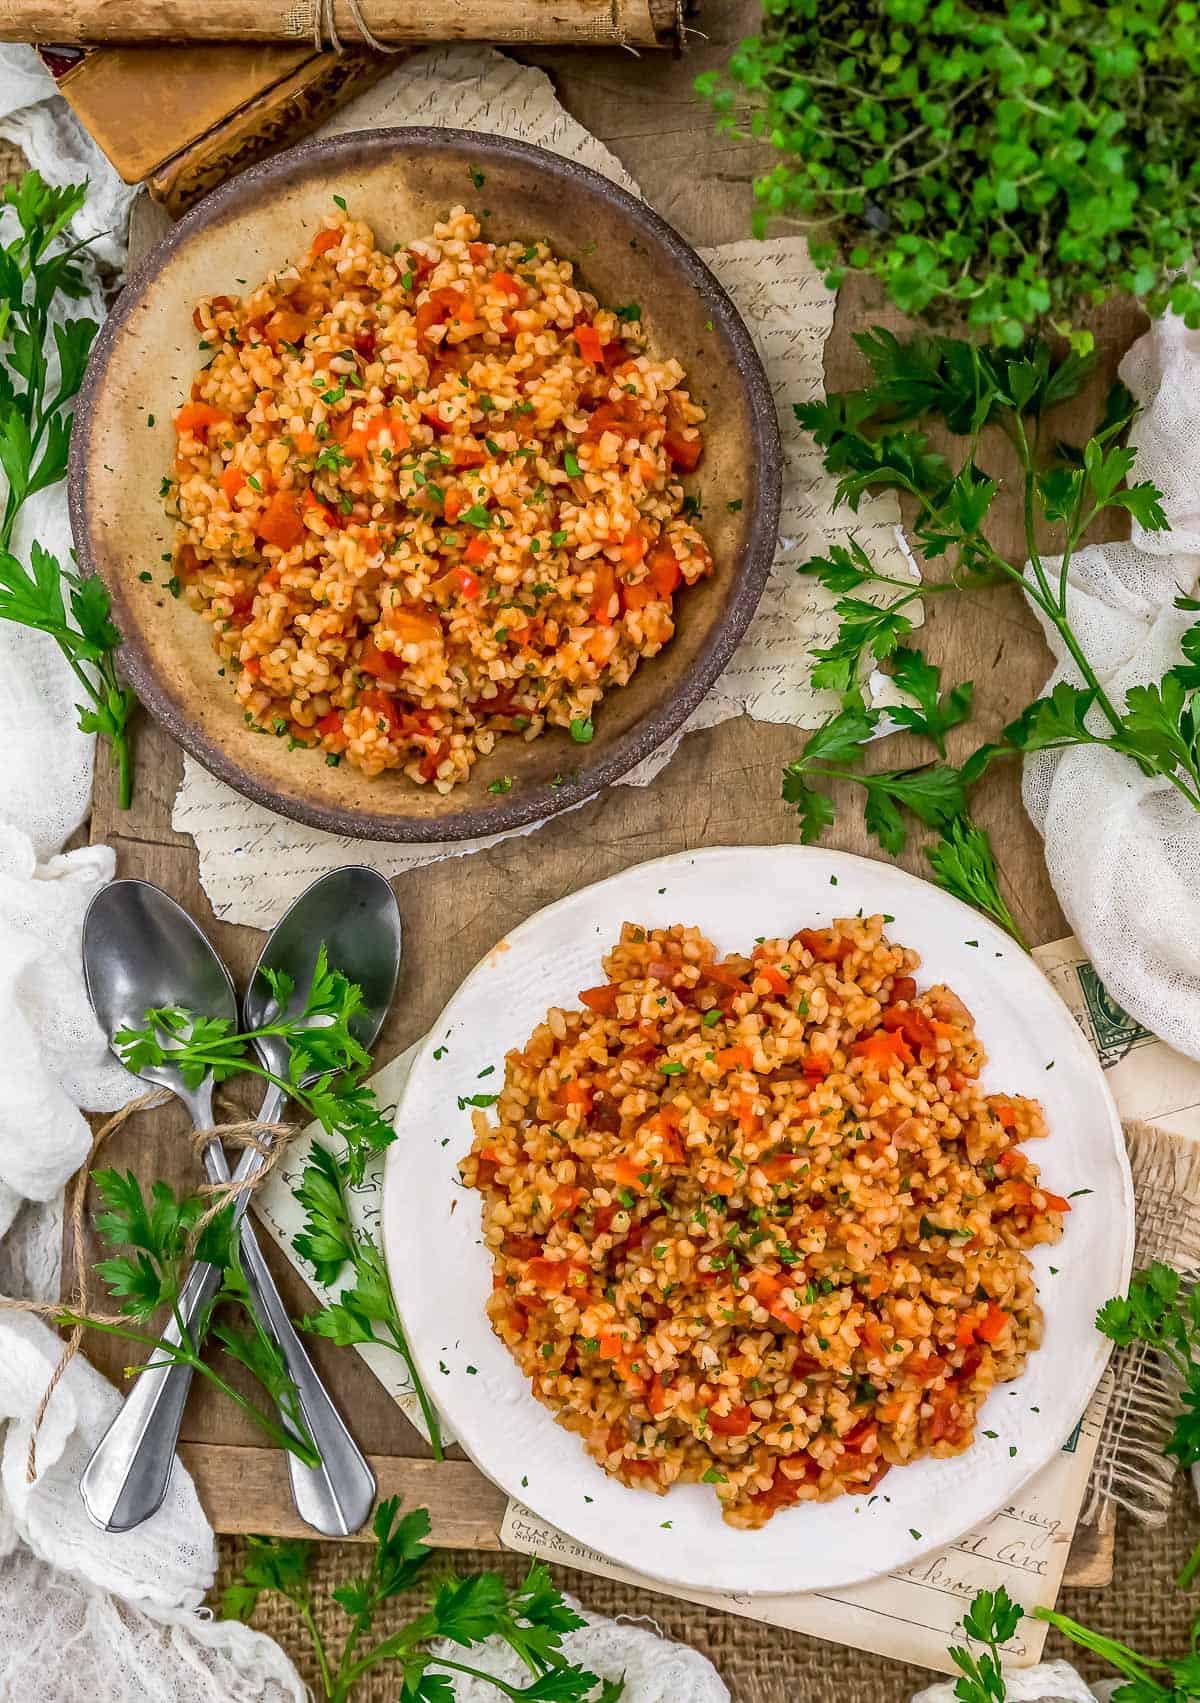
x=721 y=788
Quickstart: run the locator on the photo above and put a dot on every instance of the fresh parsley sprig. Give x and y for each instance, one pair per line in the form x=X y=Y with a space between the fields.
x=463 y=1610
x=365 y=1311
x=993 y=1617
x=991 y=1620
x=160 y=1239
x=41 y=367
x=321 y=1042
x=869 y=442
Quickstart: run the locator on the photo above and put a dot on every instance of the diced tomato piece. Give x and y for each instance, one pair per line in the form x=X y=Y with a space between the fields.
x=988 y=1328
x=603 y=999
x=735 y=1058
x=465 y=580
x=884 y=1048
x=815 y=1067
x=467 y=452
x=479 y=251
x=504 y=284
x=925 y=1367
x=857 y=1440
x=379 y=663
x=285 y=326
x=564 y=1200
x=439 y=307
x=280 y=522
x=1022 y=1193
x=548 y=1275
x=656 y=1397
x=232 y=481
x=624 y=1172
x=477 y=551
x=381 y=704
x=197 y=417
x=913 y=1025
x=735 y=1423
x=720 y=973
x=612 y=1345
x=576 y=1094
x=633 y=546
x=326 y=239
x=640 y=1469
x=824 y=946
x=330 y=726
x=364 y=343
x=627 y=418
x=523 y=1247
x=1006 y=1116
x=638 y=596
x=413 y=626
x=903 y=987
x=964 y=1334
x=778 y=1168
x=590 y=346
x=664 y=569
x=774 y=978
x=1011 y=1161
x=605 y=585
x=945 y=1425
x=684 y=451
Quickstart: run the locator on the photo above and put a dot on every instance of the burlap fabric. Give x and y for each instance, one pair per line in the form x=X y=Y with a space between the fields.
x=761 y=1664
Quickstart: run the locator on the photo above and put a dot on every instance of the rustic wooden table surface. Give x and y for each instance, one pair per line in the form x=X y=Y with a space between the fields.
x=723 y=787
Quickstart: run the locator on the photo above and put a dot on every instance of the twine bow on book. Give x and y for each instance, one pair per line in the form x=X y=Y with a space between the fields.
x=269 y=1140
x=325 y=29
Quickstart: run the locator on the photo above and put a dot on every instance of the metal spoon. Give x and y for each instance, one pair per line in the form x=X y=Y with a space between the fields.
x=141 y=950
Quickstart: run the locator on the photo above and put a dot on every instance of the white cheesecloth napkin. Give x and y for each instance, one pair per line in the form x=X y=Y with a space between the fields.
x=1123 y=850
x=86 y=1616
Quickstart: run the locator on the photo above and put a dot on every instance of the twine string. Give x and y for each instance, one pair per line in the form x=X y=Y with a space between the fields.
x=269 y=1141
x=325 y=30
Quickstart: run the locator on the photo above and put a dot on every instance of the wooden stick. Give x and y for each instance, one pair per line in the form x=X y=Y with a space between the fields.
x=629 y=23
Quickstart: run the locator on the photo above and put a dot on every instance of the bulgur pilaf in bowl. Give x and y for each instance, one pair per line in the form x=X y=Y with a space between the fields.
x=468 y=485
x=754 y=1222
x=767 y=1212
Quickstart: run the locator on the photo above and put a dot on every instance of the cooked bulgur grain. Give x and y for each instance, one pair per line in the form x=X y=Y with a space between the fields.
x=431 y=496
x=754 y=1221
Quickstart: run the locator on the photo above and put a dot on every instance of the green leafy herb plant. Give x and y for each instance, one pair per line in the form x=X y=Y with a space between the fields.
x=872 y=439
x=158 y=1238
x=992 y=1619
x=41 y=367
x=1011 y=164
x=461 y=1611
x=320 y=1040
x=364 y=1311
x=321 y=1043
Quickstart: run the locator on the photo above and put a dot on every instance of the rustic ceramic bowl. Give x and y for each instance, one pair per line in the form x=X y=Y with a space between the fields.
x=403 y=181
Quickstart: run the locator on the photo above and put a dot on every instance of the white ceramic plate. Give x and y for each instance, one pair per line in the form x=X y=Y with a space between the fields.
x=442 y=1276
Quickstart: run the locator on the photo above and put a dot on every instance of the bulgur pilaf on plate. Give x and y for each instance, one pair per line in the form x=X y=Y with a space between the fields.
x=431 y=496
x=754 y=1222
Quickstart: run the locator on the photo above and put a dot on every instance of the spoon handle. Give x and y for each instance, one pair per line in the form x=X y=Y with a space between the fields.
x=335 y=1497
x=126 y=1478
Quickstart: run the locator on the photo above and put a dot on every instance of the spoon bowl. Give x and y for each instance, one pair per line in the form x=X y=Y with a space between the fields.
x=141 y=950
x=353 y=912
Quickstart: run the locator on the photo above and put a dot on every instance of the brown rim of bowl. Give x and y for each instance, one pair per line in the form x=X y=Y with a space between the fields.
x=764 y=449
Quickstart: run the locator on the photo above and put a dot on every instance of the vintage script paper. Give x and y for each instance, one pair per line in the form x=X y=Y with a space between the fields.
x=913 y=1614
x=252 y=861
